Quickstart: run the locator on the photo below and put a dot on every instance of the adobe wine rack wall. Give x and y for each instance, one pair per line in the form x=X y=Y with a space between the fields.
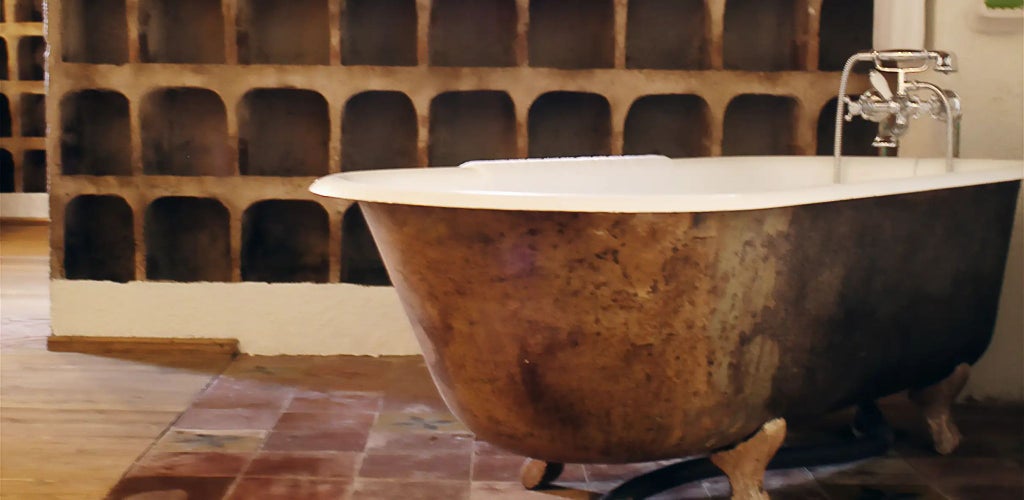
x=184 y=133
x=22 y=97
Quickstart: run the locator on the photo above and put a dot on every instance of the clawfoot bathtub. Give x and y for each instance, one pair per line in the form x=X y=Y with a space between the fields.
x=635 y=309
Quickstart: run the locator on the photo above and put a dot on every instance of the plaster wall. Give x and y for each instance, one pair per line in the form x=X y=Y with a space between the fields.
x=990 y=82
x=279 y=318
x=24 y=206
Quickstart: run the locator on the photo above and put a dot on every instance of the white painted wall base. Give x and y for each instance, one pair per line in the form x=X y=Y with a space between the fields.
x=283 y=318
x=25 y=206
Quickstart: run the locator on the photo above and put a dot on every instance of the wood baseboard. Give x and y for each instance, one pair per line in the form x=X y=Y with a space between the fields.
x=24 y=221
x=141 y=345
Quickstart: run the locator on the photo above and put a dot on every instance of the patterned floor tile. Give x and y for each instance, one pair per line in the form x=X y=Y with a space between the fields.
x=485 y=448
x=402 y=442
x=336 y=401
x=227 y=441
x=228 y=418
x=329 y=440
x=326 y=420
x=232 y=393
x=424 y=465
x=288 y=488
x=369 y=489
x=429 y=421
x=501 y=468
x=305 y=464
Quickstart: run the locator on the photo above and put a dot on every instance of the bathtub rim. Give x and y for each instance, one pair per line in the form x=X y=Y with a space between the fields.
x=927 y=174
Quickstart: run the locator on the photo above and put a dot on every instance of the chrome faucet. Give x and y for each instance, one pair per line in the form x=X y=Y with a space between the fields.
x=894 y=110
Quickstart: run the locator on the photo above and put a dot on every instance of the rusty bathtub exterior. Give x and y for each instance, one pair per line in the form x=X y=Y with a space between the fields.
x=604 y=337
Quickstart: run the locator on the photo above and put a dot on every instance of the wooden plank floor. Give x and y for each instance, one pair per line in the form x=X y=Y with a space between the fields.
x=71 y=424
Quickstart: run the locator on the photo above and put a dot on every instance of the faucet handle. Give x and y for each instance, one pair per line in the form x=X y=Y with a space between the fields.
x=880 y=84
x=853 y=108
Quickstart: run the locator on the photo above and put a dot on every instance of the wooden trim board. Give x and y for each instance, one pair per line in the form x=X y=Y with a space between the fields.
x=140 y=345
x=24 y=221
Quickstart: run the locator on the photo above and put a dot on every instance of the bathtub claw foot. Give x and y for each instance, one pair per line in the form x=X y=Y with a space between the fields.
x=936 y=401
x=536 y=474
x=745 y=463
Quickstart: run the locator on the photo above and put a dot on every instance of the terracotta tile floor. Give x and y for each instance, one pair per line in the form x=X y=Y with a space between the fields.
x=375 y=428
x=356 y=427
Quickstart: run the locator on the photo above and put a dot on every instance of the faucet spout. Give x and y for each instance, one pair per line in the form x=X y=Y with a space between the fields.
x=945 y=105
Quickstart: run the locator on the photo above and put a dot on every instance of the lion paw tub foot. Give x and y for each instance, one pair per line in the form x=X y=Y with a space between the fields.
x=936 y=401
x=536 y=474
x=745 y=463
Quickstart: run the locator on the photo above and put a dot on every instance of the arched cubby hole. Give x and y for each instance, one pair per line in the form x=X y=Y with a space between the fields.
x=845 y=28
x=181 y=31
x=563 y=124
x=28 y=11
x=283 y=132
x=283 y=32
x=184 y=132
x=360 y=259
x=5 y=116
x=98 y=240
x=3 y=59
x=94 y=31
x=379 y=33
x=757 y=124
x=666 y=34
x=760 y=35
x=674 y=125
x=572 y=34
x=857 y=134
x=33 y=115
x=285 y=241
x=477 y=33
x=6 y=172
x=95 y=137
x=473 y=125
x=31 y=58
x=378 y=130
x=33 y=171
x=187 y=239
